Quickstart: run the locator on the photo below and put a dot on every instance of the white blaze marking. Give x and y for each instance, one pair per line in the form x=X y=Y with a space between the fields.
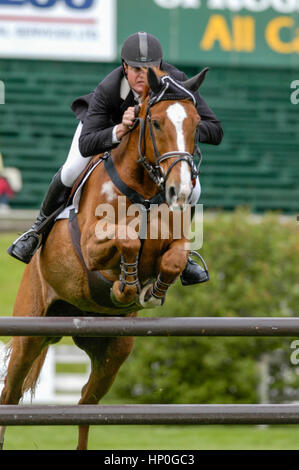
x=176 y=113
x=108 y=189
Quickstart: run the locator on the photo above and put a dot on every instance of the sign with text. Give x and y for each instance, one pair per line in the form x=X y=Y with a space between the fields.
x=58 y=29
x=241 y=32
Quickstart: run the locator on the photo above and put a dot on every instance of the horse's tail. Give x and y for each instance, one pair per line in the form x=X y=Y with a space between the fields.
x=31 y=379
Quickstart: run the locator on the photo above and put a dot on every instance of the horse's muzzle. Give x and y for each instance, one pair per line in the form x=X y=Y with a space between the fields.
x=178 y=195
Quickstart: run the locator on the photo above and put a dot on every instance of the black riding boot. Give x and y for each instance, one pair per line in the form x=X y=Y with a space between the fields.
x=193 y=273
x=24 y=247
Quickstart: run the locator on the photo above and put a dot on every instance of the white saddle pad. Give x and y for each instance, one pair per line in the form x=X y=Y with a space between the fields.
x=77 y=196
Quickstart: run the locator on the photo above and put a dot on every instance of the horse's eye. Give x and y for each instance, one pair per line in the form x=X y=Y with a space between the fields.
x=156 y=125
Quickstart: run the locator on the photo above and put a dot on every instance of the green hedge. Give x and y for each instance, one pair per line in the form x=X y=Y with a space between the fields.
x=254 y=271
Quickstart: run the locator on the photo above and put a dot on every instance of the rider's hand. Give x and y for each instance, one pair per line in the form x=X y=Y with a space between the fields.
x=127 y=122
x=129 y=116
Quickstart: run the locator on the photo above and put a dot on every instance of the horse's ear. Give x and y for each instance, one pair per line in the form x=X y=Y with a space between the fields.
x=154 y=81
x=194 y=83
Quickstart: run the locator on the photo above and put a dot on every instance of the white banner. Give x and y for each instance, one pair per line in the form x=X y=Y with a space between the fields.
x=58 y=29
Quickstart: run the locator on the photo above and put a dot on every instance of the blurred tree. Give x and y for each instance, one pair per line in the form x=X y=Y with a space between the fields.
x=254 y=269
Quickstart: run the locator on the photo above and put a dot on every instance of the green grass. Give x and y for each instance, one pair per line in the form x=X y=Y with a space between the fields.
x=156 y=437
x=11 y=271
x=131 y=437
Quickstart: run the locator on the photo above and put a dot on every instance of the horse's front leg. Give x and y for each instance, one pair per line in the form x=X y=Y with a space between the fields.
x=172 y=264
x=127 y=287
x=116 y=246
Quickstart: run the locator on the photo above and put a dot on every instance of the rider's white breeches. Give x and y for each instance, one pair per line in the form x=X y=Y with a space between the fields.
x=75 y=164
x=196 y=193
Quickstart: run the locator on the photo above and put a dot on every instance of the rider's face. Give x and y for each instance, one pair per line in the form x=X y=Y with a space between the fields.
x=136 y=77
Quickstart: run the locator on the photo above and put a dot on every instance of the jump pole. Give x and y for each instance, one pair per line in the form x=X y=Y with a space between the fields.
x=167 y=326
x=148 y=414
x=18 y=415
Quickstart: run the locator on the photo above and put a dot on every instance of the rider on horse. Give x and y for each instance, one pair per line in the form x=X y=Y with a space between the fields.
x=105 y=117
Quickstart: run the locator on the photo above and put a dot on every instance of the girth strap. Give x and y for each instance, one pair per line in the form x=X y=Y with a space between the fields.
x=99 y=286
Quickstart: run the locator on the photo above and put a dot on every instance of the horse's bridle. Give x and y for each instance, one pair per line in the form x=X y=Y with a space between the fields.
x=155 y=170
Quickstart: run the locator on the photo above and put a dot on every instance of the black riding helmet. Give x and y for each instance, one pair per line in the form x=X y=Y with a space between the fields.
x=142 y=50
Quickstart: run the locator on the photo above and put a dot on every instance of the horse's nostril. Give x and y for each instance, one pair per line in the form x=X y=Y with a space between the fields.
x=171 y=192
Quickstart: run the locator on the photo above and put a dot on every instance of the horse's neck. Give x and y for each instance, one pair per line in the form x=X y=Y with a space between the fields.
x=125 y=158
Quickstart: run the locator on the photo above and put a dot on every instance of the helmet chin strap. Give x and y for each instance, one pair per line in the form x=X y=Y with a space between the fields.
x=122 y=64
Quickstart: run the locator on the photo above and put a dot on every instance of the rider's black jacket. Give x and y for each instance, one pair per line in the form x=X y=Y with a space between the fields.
x=102 y=109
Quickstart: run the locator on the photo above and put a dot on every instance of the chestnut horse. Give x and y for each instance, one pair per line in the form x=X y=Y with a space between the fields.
x=153 y=163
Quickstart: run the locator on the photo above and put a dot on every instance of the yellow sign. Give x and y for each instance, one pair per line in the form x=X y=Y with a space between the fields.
x=240 y=37
x=273 y=36
x=241 y=34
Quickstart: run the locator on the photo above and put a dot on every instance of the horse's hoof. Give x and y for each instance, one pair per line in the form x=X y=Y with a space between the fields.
x=147 y=300
x=120 y=299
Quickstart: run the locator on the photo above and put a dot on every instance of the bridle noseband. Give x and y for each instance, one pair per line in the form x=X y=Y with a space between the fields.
x=155 y=170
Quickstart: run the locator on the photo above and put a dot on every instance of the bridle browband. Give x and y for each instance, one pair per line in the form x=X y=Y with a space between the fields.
x=155 y=170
